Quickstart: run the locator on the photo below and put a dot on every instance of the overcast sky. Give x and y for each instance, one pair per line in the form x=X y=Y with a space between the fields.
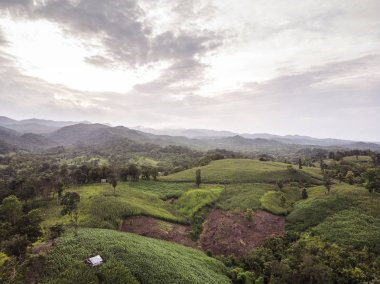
x=283 y=67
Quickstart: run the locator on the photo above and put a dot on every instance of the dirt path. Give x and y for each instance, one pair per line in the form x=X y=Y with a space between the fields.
x=154 y=228
x=225 y=233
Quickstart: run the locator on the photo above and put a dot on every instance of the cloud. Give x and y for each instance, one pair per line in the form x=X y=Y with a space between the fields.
x=120 y=25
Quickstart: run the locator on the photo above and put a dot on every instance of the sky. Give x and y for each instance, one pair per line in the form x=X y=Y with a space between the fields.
x=255 y=66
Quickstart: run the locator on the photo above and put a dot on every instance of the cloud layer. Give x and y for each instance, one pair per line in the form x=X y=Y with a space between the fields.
x=255 y=66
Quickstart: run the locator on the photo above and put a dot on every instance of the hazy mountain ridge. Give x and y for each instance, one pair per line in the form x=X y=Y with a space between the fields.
x=34 y=125
x=86 y=134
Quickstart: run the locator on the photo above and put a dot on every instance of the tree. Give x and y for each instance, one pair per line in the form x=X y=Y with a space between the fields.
x=327 y=182
x=16 y=246
x=350 y=177
x=198 y=178
x=373 y=182
x=70 y=203
x=11 y=209
x=280 y=184
x=300 y=163
x=114 y=184
x=304 y=193
x=248 y=214
x=29 y=225
x=55 y=232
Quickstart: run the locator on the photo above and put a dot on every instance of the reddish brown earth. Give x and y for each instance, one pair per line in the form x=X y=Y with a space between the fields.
x=226 y=233
x=154 y=228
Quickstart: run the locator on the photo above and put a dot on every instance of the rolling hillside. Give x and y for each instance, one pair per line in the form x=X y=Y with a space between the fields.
x=129 y=258
x=243 y=171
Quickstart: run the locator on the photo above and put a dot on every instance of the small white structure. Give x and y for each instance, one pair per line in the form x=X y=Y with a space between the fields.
x=103 y=180
x=95 y=260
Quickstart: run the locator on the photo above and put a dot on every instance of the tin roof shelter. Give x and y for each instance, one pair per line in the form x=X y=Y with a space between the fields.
x=95 y=260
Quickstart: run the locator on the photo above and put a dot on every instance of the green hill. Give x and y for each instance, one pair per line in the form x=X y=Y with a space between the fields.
x=129 y=258
x=100 y=207
x=245 y=170
x=319 y=205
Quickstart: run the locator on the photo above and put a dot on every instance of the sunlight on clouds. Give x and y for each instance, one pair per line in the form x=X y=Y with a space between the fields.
x=43 y=50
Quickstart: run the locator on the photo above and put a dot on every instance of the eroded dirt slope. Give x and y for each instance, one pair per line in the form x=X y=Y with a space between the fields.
x=227 y=233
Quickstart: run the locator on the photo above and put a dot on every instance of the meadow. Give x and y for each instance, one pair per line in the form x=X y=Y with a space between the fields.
x=247 y=171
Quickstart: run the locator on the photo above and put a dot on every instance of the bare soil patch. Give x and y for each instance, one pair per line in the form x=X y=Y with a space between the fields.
x=227 y=233
x=154 y=228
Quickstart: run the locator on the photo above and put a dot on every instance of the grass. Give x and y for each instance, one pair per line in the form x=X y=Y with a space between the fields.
x=129 y=258
x=351 y=227
x=163 y=190
x=3 y=258
x=99 y=207
x=359 y=159
x=246 y=171
x=271 y=200
x=243 y=196
x=193 y=200
x=319 y=205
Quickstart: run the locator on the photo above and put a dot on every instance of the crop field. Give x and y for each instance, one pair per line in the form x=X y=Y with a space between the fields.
x=247 y=171
x=351 y=227
x=320 y=205
x=129 y=258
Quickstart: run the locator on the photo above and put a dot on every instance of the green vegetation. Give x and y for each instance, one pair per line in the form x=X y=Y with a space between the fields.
x=351 y=227
x=244 y=171
x=193 y=200
x=140 y=259
x=163 y=190
x=280 y=202
x=314 y=210
x=3 y=258
x=242 y=196
x=319 y=205
x=99 y=207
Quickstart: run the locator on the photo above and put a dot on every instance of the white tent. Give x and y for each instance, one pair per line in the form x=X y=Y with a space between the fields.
x=95 y=260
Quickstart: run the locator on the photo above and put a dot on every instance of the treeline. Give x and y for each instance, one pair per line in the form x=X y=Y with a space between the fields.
x=28 y=176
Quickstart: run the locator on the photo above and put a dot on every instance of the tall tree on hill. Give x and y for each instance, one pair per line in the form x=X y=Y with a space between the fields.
x=304 y=193
x=327 y=182
x=373 y=182
x=300 y=163
x=114 y=184
x=350 y=177
x=70 y=203
x=11 y=209
x=198 y=178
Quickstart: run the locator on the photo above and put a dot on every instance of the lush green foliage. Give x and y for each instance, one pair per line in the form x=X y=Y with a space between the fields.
x=272 y=200
x=311 y=260
x=99 y=207
x=351 y=227
x=242 y=196
x=146 y=260
x=244 y=171
x=193 y=200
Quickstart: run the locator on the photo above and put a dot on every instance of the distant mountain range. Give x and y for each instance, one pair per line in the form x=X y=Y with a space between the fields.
x=39 y=134
x=34 y=125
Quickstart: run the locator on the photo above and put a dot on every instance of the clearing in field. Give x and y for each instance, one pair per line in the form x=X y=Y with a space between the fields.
x=151 y=227
x=226 y=233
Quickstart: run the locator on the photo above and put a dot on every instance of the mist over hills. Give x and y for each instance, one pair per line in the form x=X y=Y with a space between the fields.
x=38 y=134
